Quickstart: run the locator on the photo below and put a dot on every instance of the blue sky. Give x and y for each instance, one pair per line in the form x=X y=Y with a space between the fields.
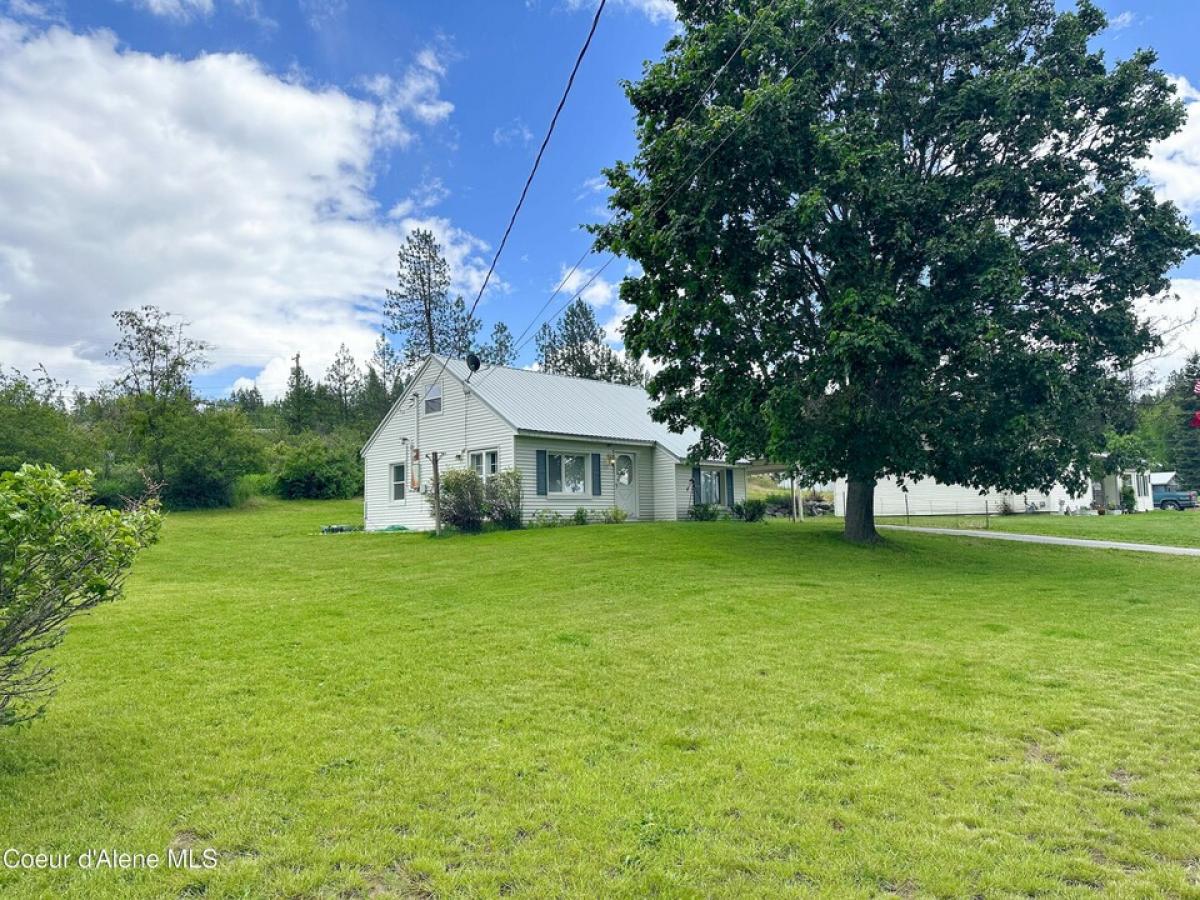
x=254 y=164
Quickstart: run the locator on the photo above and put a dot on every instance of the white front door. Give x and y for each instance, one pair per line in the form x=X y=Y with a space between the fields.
x=626 y=484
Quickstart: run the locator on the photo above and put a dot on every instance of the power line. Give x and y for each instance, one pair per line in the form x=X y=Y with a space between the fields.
x=588 y=252
x=541 y=150
x=678 y=187
x=562 y=102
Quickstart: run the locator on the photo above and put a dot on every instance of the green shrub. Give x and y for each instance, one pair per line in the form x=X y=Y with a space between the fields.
x=253 y=487
x=118 y=487
x=580 y=517
x=205 y=454
x=59 y=555
x=751 y=510
x=704 y=512
x=317 y=468
x=502 y=498
x=35 y=426
x=546 y=518
x=1128 y=500
x=461 y=497
x=614 y=515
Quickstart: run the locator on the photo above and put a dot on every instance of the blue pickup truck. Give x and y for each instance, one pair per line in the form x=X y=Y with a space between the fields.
x=1168 y=499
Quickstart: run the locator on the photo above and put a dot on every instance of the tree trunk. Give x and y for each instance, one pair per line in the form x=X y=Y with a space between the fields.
x=860 y=512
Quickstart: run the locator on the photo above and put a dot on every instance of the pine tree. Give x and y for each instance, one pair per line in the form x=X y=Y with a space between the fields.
x=375 y=399
x=576 y=346
x=388 y=368
x=299 y=404
x=344 y=383
x=1183 y=441
x=248 y=400
x=500 y=350
x=420 y=309
x=461 y=331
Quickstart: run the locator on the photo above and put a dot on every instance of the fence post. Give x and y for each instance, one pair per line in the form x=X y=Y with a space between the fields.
x=907 y=520
x=987 y=514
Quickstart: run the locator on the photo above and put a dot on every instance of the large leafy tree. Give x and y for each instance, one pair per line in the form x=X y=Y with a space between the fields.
x=157 y=359
x=36 y=426
x=894 y=238
x=575 y=345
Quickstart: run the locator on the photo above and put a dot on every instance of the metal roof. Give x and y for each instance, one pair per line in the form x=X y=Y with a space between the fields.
x=579 y=407
x=1161 y=477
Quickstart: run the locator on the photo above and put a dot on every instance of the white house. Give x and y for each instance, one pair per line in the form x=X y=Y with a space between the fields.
x=928 y=497
x=576 y=442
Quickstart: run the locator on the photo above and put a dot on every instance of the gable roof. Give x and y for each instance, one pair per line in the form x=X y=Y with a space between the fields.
x=561 y=404
x=579 y=407
x=1161 y=478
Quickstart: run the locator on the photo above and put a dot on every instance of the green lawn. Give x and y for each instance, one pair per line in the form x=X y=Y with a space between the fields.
x=1176 y=529
x=692 y=709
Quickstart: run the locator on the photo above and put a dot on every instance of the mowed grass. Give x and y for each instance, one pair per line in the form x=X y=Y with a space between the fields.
x=692 y=709
x=1172 y=528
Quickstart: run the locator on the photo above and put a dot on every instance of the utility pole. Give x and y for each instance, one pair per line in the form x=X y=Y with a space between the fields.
x=437 y=495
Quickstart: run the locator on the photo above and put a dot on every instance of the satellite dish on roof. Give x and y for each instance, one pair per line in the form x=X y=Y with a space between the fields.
x=473 y=362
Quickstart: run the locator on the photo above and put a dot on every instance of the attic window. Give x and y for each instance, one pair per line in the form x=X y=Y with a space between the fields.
x=433 y=399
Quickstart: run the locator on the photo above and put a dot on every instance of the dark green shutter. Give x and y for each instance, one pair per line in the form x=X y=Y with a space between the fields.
x=595 y=474
x=541 y=473
x=697 y=496
x=729 y=488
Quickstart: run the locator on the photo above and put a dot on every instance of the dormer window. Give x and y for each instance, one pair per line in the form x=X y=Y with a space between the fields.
x=433 y=399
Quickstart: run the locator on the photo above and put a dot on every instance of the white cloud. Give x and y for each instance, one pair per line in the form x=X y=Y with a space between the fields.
x=50 y=11
x=515 y=132
x=183 y=10
x=654 y=10
x=426 y=196
x=1177 y=319
x=597 y=184
x=1174 y=165
x=209 y=187
x=320 y=13
x=601 y=294
x=414 y=95
x=1123 y=20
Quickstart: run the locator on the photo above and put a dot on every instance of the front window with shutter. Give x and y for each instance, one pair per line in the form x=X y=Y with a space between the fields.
x=710 y=486
x=567 y=473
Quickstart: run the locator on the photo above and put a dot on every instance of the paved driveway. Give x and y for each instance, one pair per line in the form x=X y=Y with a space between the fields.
x=1048 y=539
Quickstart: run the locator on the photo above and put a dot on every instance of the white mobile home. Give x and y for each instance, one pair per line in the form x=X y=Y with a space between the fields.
x=577 y=443
x=928 y=497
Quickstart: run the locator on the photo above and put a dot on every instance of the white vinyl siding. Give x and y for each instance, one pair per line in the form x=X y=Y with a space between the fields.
x=665 y=505
x=464 y=423
x=564 y=503
x=467 y=428
x=929 y=497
